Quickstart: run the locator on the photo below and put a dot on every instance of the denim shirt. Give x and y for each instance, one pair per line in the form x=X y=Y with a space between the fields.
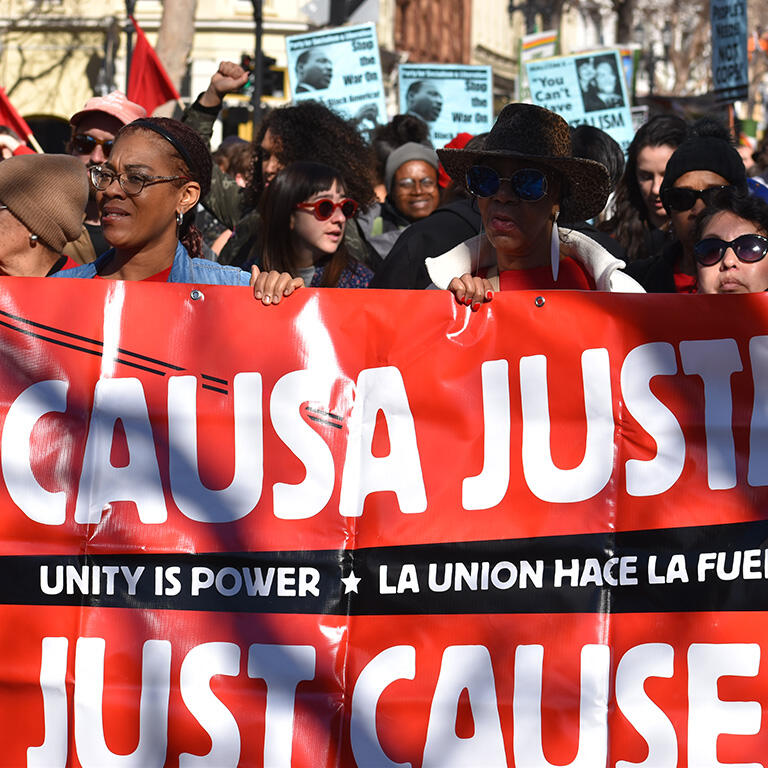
x=184 y=270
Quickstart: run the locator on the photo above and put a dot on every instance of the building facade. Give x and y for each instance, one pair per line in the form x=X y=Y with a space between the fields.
x=435 y=31
x=56 y=54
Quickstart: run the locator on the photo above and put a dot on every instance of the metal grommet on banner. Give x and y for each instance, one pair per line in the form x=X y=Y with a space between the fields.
x=539 y=302
x=196 y=295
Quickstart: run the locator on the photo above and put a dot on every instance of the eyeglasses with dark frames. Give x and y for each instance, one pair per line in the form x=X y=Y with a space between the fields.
x=131 y=183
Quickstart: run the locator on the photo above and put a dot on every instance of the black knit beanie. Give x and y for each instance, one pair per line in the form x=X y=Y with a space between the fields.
x=706 y=148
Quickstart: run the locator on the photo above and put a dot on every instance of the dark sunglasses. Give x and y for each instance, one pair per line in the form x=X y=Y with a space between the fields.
x=324 y=208
x=684 y=198
x=82 y=144
x=528 y=184
x=748 y=248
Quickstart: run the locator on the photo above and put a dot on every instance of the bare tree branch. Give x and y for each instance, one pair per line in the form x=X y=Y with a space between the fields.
x=176 y=36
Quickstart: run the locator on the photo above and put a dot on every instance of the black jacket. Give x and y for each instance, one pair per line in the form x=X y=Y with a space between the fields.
x=656 y=273
x=444 y=229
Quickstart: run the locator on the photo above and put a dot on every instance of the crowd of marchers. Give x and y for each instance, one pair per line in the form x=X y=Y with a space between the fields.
x=533 y=204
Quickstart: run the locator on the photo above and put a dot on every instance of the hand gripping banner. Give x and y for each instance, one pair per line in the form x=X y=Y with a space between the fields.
x=370 y=528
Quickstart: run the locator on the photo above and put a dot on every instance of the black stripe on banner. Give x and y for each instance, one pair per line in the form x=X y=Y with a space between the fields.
x=215 y=389
x=326 y=414
x=320 y=420
x=95 y=342
x=704 y=568
x=96 y=353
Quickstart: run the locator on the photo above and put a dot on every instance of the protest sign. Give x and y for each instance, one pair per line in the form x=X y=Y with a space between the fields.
x=355 y=530
x=539 y=45
x=587 y=88
x=341 y=69
x=730 y=75
x=630 y=55
x=450 y=98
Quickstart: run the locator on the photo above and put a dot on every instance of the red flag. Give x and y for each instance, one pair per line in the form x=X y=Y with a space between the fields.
x=148 y=84
x=10 y=117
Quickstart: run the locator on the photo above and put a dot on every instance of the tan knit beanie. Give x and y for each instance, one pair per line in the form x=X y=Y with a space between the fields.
x=47 y=194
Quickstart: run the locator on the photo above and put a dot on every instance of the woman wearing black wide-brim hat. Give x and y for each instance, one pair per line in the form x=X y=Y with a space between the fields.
x=525 y=178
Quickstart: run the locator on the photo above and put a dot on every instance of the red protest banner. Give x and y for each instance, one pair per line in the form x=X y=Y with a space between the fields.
x=368 y=528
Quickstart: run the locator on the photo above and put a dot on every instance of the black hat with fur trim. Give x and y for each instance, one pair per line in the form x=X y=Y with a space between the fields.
x=533 y=133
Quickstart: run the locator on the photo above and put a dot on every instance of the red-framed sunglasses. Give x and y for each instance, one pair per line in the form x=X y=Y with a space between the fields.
x=323 y=209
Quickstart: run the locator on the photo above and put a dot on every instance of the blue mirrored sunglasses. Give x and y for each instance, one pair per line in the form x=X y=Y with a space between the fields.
x=528 y=184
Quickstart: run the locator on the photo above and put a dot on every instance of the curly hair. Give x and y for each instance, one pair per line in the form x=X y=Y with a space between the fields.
x=240 y=159
x=631 y=222
x=760 y=155
x=309 y=131
x=296 y=183
x=193 y=160
x=732 y=200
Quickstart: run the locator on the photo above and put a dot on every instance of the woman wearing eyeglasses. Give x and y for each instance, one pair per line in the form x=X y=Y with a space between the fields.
x=410 y=179
x=702 y=166
x=732 y=241
x=524 y=179
x=305 y=211
x=146 y=195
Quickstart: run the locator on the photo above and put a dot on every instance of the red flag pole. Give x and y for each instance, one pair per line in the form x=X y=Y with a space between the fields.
x=17 y=122
x=35 y=144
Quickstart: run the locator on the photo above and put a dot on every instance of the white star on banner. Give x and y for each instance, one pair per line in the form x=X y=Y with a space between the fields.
x=350 y=583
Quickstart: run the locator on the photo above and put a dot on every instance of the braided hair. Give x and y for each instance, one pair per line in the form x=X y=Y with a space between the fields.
x=192 y=159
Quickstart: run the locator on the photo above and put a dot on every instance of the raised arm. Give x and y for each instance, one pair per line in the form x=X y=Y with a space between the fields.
x=225 y=200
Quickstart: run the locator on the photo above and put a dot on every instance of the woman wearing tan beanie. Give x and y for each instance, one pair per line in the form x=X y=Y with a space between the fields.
x=42 y=205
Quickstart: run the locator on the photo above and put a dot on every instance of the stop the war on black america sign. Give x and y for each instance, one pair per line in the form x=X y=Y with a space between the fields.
x=381 y=533
x=450 y=98
x=341 y=69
